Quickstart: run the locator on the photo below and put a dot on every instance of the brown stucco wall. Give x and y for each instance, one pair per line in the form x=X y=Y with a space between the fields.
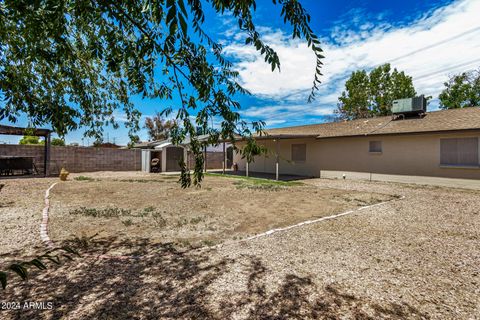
x=412 y=154
x=79 y=159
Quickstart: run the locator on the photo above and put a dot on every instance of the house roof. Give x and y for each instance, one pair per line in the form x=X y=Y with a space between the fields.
x=163 y=143
x=437 y=121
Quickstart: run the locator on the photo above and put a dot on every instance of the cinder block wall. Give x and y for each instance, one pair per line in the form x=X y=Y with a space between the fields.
x=79 y=159
x=214 y=160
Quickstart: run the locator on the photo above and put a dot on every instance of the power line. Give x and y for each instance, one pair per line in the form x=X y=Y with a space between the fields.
x=433 y=45
x=436 y=44
x=446 y=69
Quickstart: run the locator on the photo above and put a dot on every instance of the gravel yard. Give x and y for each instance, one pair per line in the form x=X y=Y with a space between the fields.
x=411 y=258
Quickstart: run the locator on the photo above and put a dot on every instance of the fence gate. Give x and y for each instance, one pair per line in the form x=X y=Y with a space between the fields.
x=174 y=156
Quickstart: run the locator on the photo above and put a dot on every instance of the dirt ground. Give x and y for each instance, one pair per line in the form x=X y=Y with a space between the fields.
x=223 y=209
x=21 y=204
x=415 y=257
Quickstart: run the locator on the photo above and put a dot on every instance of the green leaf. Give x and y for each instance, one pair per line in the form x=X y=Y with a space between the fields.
x=70 y=250
x=54 y=259
x=19 y=270
x=172 y=12
x=3 y=279
x=181 y=5
x=37 y=263
x=183 y=24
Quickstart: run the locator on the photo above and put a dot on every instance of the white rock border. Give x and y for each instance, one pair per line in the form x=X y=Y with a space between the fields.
x=44 y=224
x=335 y=216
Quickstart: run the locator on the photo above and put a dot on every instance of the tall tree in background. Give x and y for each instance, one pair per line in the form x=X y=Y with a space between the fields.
x=27 y=140
x=73 y=63
x=58 y=142
x=461 y=91
x=158 y=128
x=369 y=95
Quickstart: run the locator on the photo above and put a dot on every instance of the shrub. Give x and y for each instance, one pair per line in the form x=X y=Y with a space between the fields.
x=57 y=142
x=127 y=222
x=83 y=178
x=160 y=221
x=101 y=213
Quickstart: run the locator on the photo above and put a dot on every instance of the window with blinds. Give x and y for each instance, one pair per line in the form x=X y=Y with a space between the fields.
x=299 y=152
x=459 y=152
x=375 y=146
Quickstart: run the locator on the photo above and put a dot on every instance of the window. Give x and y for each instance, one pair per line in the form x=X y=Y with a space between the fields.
x=299 y=152
x=459 y=152
x=375 y=146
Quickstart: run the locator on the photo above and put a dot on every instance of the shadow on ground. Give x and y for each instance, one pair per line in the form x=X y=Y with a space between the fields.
x=164 y=282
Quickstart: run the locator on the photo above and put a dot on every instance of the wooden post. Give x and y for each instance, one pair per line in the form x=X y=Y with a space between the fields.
x=276 y=160
x=46 y=156
x=246 y=169
x=224 y=158
x=205 y=158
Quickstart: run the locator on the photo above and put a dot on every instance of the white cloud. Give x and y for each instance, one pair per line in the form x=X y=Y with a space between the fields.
x=369 y=45
x=256 y=75
x=275 y=115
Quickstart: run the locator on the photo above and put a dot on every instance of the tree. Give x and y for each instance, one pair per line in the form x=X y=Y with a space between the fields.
x=58 y=142
x=461 y=91
x=73 y=63
x=368 y=95
x=158 y=128
x=27 y=140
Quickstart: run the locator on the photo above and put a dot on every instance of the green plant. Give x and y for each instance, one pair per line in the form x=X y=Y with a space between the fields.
x=57 y=142
x=127 y=222
x=196 y=220
x=184 y=242
x=208 y=243
x=21 y=268
x=84 y=178
x=83 y=241
x=461 y=91
x=145 y=180
x=372 y=94
x=160 y=221
x=181 y=222
x=149 y=209
x=30 y=140
x=264 y=184
x=101 y=213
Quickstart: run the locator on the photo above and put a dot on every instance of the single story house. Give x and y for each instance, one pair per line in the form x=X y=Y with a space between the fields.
x=440 y=143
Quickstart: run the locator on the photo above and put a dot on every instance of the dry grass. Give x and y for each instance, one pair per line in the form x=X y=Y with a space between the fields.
x=157 y=208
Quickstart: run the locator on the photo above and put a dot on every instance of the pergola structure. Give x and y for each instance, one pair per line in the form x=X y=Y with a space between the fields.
x=18 y=131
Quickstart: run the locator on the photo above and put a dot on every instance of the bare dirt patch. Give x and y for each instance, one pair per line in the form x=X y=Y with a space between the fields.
x=157 y=208
x=21 y=204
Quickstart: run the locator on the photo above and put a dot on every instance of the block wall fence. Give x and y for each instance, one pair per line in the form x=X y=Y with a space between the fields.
x=78 y=159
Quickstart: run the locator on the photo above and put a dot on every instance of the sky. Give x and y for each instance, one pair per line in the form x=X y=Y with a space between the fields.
x=429 y=40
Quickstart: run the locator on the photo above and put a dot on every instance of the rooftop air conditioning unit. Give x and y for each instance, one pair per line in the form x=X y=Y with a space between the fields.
x=410 y=106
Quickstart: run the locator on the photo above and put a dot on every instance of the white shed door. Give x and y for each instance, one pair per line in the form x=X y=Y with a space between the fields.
x=146 y=160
